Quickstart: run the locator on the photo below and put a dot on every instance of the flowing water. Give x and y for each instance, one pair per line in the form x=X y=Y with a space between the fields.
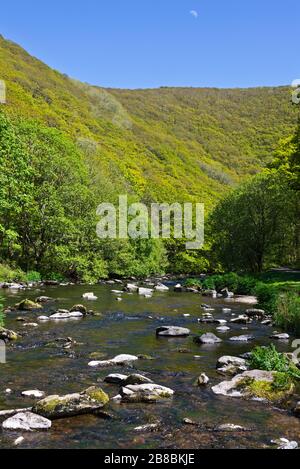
x=129 y=327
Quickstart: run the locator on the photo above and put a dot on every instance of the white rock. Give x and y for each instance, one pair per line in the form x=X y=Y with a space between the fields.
x=223 y=329
x=242 y=338
x=161 y=288
x=119 y=360
x=226 y=310
x=35 y=393
x=66 y=315
x=145 y=292
x=89 y=296
x=143 y=428
x=26 y=421
x=18 y=441
x=280 y=336
x=43 y=318
x=30 y=324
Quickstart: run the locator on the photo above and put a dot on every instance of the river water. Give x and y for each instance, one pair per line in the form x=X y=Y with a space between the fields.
x=129 y=327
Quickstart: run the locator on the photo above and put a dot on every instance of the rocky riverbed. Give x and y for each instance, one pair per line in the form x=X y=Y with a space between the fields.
x=99 y=367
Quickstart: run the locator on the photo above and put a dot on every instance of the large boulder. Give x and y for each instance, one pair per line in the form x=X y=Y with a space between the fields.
x=28 y=305
x=8 y=336
x=161 y=288
x=208 y=338
x=172 y=331
x=86 y=402
x=145 y=393
x=26 y=421
x=267 y=385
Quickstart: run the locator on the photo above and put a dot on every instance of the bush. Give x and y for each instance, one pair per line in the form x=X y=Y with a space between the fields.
x=33 y=276
x=239 y=284
x=287 y=314
x=268 y=359
x=10 y=274
x=267 y=296
x=193 y=283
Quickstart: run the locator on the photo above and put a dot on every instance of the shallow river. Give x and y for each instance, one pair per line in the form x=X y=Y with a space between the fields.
x=129 y=327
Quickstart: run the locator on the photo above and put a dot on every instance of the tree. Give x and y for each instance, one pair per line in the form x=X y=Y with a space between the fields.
x=251 y=226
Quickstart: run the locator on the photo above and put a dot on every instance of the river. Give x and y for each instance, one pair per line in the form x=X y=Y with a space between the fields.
x=129 y=327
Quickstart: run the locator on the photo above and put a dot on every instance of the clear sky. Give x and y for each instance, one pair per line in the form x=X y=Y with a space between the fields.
x=151 y=43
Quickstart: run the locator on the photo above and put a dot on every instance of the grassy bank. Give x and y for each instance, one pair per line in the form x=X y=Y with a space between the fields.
x=278 y=293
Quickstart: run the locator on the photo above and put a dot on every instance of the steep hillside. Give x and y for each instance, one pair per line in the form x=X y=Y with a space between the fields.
x=164 y=144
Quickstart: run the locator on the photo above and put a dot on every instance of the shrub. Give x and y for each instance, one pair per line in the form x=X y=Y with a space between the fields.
x=287 y=314
x=267 y=296
x=33 y=276
x=269 y=359
x=1 y=314
x=10 y=274
x=193 y=283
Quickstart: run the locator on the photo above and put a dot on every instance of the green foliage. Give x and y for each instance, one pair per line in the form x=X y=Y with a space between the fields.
x=193 y=283
x=253 y=227
x=11 y=274
x=269 y=359
x=33 y=276
x=239 y=284
x=287 y=313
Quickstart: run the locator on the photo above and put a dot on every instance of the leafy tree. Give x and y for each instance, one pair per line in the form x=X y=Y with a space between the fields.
x=251 y=225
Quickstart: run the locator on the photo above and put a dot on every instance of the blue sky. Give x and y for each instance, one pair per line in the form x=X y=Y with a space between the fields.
x=152 y=43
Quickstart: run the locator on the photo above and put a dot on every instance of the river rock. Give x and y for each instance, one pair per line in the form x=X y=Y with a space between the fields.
x=203 y=380
x=243 y=319
x=223 y=329
x=82 y=309
x=145 y=393
x=267 y=322
x=251 y=313
x=208 y=338
x=35 y=393
x=145 y=291
x=137 y=379
x=43 y=299
x=86 y=402
x=89 y=296
x=26 y=421
x=172 y=331
x=66 y=315
x=8 y=336
x=250 y=384
x=242 y=338
x=115 y=378
x=43 y=318
x=284 y=443
x=28 y=305
x=178 y=288
x=280 y=336
x=221 y=322
x=230 y=427
x=119 y=360
x=161 y=288
x=232 y=366
x=131 y=288
x=297 y=409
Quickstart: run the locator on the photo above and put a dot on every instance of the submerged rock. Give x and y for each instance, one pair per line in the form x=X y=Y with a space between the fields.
x=145 y=393
x=131 y=288
x=280 y=336
x=79 y=308
x=208 y=338
x=230 y=427
x=145 y=291
x=28 y=305
x=137 y=379
x=265 y=385
x=259 y=313
x=119 y=360
x=44 y=299
x=172 y=331
x=89 y=296
x=26 y=421
x=242 y=338
x=62 y=314
x=86 y=402
x=8 y=336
